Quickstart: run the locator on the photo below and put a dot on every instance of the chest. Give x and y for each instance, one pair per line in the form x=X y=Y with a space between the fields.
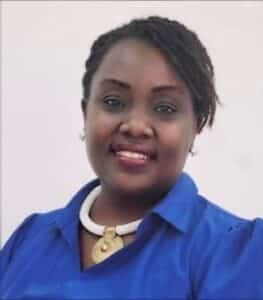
x=151 y=267
x=87 y=244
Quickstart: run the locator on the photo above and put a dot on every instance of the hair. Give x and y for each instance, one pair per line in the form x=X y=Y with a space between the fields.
x=182 y=49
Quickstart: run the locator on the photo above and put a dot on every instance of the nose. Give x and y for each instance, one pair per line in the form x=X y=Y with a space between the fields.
x=136 y=127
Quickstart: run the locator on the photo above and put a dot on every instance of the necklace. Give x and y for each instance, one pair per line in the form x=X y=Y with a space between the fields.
x=110 y=241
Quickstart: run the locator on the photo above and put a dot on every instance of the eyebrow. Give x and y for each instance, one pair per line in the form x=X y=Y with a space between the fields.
x=156 y=89
x=117 y=82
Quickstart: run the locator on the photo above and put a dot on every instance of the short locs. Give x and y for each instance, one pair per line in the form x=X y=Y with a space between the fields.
x=183 y=51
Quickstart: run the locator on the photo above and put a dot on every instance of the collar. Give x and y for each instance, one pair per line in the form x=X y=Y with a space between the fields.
x=67 y=218
x=179 y=207
x=67 y=215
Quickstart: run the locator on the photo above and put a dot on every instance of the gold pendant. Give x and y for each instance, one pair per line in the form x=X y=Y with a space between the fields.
x=108 y=244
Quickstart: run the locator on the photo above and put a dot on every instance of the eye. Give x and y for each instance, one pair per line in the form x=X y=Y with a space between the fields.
x=113 y=103
x=165 y=108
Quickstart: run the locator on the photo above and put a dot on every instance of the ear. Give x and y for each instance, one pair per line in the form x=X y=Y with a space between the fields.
x=84 y=108
x=196 y=129
x=199 y=125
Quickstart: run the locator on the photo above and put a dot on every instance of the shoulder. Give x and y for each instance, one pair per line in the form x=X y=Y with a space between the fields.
x=217 y=230
x=213 y=227
x=40 y=221
x=26 y=231
x=218 y=221
x=37 y=222
x=40 y=228
x=228 y=260
x=18 y=240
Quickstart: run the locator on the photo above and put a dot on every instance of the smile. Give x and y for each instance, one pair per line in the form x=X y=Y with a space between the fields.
x=133 y=151
x=132 y=155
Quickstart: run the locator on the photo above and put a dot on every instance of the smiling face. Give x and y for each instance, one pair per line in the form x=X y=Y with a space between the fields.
x=139 y=121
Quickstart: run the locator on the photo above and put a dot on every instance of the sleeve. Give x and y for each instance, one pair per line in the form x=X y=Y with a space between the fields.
x=13 y=243
x=236 y=267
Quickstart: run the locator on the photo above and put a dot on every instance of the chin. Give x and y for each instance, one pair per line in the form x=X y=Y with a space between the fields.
x=131 y=186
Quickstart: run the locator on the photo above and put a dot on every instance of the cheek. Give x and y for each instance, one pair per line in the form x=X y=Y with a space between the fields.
x=177 y=142
x=96 y=125
x=99 y=128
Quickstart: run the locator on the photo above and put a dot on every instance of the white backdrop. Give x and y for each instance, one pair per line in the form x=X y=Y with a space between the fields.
x=44 y=46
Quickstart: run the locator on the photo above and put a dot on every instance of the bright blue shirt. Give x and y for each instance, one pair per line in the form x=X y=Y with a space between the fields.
x=185 y=248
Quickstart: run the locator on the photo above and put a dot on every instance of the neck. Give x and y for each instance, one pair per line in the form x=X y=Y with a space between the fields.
x=113 y=208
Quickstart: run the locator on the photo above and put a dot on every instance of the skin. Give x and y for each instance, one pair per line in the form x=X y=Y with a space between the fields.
x=136 y=98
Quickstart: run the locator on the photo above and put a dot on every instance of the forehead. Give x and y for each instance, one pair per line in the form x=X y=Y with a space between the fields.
x=134 y=60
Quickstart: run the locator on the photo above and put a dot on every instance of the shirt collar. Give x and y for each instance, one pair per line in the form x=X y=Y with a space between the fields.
x=179 y=207
x=67 y=219
x=68 y=214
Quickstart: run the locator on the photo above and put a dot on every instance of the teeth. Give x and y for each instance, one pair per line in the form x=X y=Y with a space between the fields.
x=134 y=155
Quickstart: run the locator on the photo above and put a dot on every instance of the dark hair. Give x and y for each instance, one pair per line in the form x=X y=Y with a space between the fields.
x=180 y=46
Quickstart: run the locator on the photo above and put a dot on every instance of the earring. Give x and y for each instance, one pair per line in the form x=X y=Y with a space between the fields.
x=82 y=135
x=193 y=153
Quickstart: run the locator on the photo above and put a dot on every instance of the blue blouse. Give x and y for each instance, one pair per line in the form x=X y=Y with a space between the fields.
x=185 y=248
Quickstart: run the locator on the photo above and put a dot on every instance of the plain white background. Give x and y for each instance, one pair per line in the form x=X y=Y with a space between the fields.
x=44 y=46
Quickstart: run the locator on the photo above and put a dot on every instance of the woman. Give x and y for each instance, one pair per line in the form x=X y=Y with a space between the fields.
x=141 y=230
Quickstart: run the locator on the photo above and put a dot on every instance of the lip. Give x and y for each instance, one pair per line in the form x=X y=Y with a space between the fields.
x=132 y=163
x=136 y=148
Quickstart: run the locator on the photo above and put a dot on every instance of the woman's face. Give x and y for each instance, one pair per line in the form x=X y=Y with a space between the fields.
x=139 y=121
